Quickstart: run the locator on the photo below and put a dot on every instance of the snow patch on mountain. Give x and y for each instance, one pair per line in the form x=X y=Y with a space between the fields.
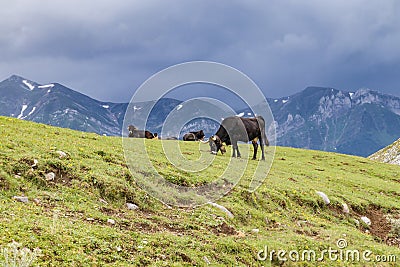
x=21 y=114
x=46 y=86
x=241 y=114
x=30 y=113
x=28 y=84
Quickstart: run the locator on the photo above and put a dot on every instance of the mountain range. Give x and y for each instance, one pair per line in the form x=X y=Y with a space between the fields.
x=357 y=123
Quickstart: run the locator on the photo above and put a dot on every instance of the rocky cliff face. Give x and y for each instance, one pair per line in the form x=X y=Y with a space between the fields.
x=389 y=154
x=358 y=123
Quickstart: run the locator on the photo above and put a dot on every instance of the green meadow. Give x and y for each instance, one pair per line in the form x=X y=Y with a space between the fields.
x=79 y=217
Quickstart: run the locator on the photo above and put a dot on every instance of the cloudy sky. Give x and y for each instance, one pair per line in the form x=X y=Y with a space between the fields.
x=107 y=49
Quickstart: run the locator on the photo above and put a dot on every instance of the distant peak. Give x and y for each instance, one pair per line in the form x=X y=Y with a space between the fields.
x=314 y=89
x=25 y=83
x=318 y=91
x=16 y=78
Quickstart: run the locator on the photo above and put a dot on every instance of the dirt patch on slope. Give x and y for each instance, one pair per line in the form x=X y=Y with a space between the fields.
x=380 y=226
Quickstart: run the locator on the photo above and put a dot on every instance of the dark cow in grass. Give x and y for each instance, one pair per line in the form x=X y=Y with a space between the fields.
x=136 y=133
x=194 y=136
x=234 y=129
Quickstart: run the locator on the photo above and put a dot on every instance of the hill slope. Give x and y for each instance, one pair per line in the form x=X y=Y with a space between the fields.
x=389 y=154
x=80 y=217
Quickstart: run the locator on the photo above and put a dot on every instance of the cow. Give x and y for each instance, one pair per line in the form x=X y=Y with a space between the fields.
x=234 y=129
x=136 y=133
x=194 y=136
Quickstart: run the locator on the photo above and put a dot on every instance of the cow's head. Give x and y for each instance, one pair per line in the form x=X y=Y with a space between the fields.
x=131 y=129
x=200 y=135
x=216 y=145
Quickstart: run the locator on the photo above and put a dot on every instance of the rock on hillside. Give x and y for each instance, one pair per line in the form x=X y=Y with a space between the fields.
x=389 y=154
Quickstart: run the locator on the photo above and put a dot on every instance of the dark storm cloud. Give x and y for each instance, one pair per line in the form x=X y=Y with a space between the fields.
x=107 y=49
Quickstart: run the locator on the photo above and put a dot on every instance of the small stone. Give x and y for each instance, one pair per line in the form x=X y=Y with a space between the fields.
x=21 y=199
x=366 y=220
x=345 y=208
x=89 y=219
x=222 y=208
x=111 y=221
x=206 y=260
x=50 y=176
x=17 y=176
x=62 y=154
x=357 y=222
x=132 y=206
x=37 y=201
x=256 y=231
x=103 y=201
x=324 y=197
x=34 y=165
x=118 y=248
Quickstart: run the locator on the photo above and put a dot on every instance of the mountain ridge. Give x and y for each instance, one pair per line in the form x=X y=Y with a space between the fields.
x=320 y=118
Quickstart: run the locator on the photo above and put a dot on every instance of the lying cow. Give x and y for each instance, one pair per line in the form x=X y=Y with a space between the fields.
x=194 y=136
x=136 y=133
x=234 y=129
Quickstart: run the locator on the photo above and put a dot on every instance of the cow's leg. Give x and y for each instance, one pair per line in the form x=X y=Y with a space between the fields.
x=262 y=148
x=237 y=148
x=255 y=147
x=263 y=142
x=238 y=153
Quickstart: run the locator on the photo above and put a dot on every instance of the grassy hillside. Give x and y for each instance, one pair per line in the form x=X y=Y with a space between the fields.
x=389 y=154
x=80 y=217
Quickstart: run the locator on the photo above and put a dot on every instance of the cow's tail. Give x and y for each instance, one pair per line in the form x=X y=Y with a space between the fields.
x=261 y=123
